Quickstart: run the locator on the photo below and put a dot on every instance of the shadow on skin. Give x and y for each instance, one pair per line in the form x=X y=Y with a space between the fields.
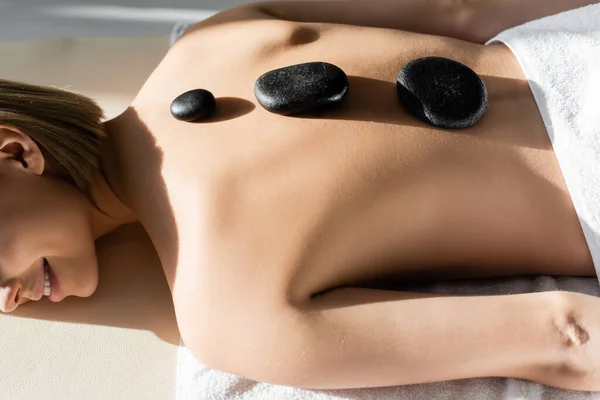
x=132 y=291
x=303 y=35
x=474 y=287
x=229 y=108
x=376 y=100
x=385 y=272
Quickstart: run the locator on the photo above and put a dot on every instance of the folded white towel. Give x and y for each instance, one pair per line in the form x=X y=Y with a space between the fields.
x=560 y=56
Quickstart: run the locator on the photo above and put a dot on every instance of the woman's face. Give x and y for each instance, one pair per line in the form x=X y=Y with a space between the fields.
x=41 y=217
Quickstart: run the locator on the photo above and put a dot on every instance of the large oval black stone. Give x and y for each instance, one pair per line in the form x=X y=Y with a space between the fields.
x=301 y=88
x=442 y=92
x=193 y=105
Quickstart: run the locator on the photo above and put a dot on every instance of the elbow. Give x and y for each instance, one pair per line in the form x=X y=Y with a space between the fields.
x=467 y=21
x=271 y=351
x=574 y=364
x=260 y=362
x=474 y=32
x=475 y=35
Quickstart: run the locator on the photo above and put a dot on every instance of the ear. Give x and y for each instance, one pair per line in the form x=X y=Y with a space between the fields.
x=16 y=146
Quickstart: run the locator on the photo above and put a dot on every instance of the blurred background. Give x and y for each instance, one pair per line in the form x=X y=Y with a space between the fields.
x=105 y=49
x=34 y=19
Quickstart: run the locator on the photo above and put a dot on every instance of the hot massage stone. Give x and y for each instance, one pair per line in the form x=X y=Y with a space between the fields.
x=193 y=106
x=442 y=92
x=300 y=88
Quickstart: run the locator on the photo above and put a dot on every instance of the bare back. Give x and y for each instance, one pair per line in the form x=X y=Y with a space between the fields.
x=297 y=205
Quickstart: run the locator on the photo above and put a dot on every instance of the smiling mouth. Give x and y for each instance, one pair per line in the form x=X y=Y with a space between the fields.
x=56 y=291
x=47 y=287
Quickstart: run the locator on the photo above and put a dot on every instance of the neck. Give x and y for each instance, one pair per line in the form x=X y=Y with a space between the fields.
x=112 y=182
x=132 y=165
x=110 y=208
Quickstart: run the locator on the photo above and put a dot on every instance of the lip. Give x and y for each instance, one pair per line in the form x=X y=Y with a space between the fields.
x=39 y=289
x=56 y=293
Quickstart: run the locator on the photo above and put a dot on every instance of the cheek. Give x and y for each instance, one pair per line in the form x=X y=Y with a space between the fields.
x=48 y=218
x=18 y=248
x=62 y=221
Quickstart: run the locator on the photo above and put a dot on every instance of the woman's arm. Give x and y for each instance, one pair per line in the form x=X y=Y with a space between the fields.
x=471 y=20
x=435 y=17
x=490 y=17
x=351 y=338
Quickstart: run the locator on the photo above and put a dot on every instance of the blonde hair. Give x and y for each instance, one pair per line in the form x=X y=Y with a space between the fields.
x=66 y=126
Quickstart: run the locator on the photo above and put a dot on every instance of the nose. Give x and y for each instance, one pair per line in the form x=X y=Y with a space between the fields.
x=10 y=296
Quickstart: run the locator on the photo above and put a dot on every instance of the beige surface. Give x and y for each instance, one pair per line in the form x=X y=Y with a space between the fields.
x=121 y=343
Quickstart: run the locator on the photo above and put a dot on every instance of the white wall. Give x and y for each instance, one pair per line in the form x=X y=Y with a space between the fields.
x=31 y=19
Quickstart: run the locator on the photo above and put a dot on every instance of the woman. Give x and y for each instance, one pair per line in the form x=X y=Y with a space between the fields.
x=275 y=233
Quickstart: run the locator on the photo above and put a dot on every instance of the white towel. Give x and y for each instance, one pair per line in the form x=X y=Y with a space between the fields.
x=560 y=56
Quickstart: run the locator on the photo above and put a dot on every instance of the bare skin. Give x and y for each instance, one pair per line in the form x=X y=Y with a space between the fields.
x=275 y=226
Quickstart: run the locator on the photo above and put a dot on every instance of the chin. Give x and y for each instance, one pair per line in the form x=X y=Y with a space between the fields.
x=87 y=290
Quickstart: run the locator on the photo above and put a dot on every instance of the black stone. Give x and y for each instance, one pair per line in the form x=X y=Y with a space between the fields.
x=301 y=88
x=442 y=92
x=193 y=105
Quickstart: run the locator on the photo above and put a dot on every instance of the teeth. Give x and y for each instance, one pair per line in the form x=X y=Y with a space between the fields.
x=46 y=281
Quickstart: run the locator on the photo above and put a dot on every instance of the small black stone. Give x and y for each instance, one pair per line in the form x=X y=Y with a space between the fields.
x=193 y=105
x=301 y=88
x=442 y=92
